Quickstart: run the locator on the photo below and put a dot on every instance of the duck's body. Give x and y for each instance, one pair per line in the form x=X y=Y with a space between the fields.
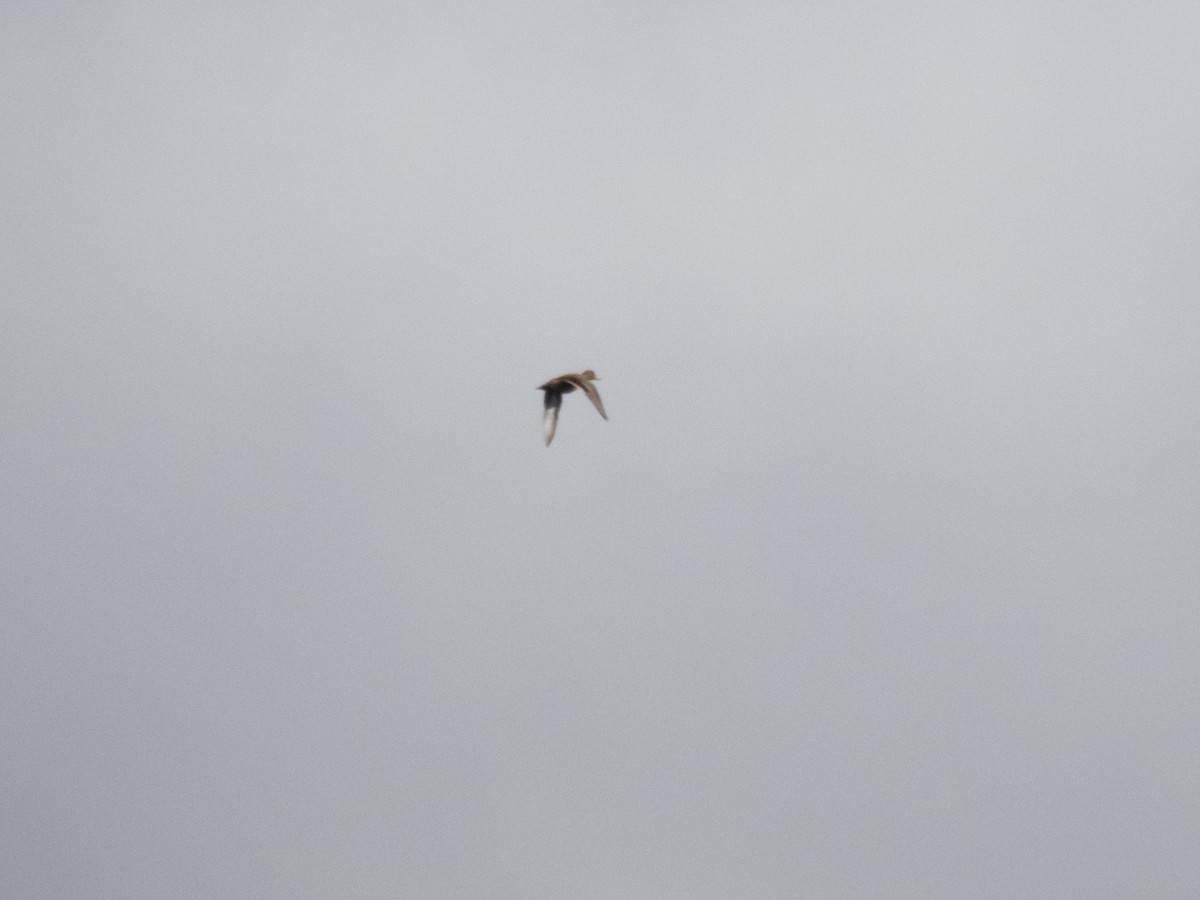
x=565 y=384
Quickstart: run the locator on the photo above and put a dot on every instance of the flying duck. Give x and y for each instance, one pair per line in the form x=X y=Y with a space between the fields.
x=564 y=384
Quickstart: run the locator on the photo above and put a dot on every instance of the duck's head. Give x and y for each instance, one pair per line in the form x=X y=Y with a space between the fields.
x=589 y=375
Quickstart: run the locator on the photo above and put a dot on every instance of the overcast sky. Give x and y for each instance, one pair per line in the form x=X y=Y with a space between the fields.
x=881 y=580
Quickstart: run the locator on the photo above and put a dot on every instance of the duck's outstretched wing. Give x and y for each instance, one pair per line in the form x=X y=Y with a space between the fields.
x=592 y=394
x=553 y=402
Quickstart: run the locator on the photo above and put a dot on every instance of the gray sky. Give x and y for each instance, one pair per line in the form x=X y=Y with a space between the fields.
x=881 y=580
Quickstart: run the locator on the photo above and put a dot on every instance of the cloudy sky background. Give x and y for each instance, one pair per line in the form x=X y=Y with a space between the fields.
x=881 y=580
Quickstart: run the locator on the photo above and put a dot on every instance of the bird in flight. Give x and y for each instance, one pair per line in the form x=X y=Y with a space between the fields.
x=564 y=384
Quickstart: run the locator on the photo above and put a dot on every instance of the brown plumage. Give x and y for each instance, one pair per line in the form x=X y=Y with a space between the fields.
x=564 y=384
